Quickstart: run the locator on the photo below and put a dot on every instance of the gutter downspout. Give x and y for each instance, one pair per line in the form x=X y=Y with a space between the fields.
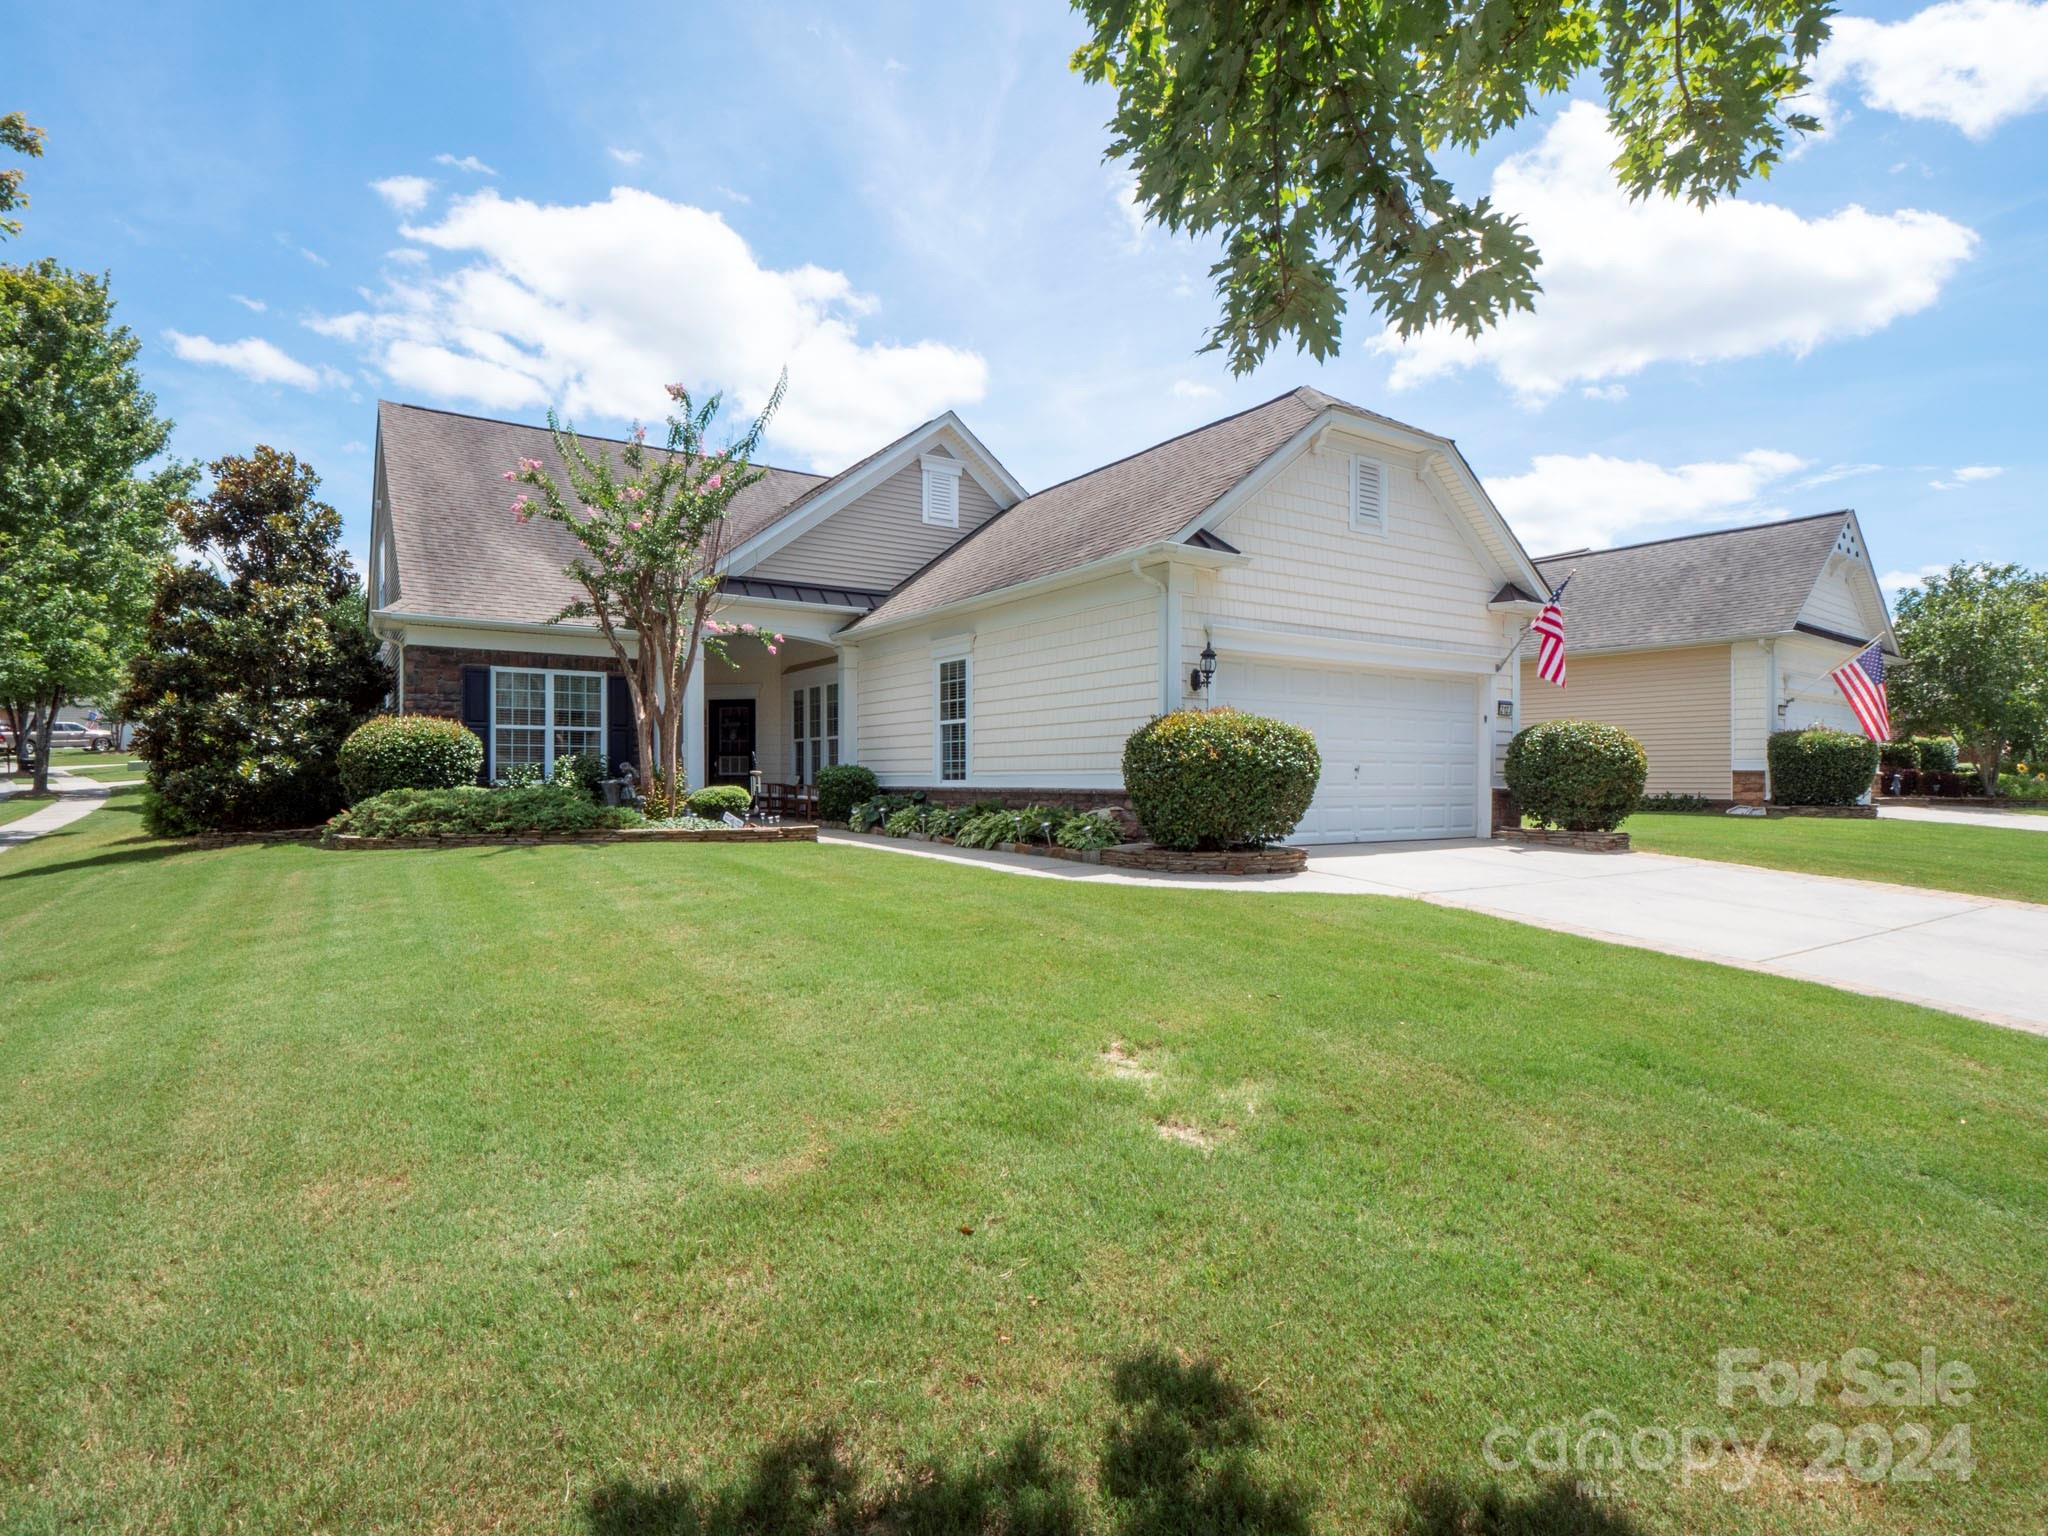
x=1166 y=678
x=1770 y=710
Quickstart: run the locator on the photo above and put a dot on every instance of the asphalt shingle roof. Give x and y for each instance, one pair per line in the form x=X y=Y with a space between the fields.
x=461 y=555
x=1695 y=589
x=1136 y=501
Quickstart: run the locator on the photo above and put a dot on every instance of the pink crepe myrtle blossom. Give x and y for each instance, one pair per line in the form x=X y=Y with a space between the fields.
x=676 y=392
x=714 y=482
x=778 y=639
x=639 y=433
x=634 y=524
x=529 y=465
x=510 y=474
x=771 y=650
x=634 y=493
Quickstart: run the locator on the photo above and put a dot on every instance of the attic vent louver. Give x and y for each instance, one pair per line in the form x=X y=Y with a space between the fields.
x=1368 y=495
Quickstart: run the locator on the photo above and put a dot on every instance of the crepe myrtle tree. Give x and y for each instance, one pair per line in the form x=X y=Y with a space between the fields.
x=653 y=528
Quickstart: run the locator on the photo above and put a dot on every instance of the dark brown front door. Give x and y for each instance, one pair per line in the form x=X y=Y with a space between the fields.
x=732 y=740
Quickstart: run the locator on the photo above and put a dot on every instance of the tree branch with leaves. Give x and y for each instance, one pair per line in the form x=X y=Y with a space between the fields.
x=653 y=529
x=1306 y=134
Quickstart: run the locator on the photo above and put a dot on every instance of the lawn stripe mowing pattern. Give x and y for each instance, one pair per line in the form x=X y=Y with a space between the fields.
x=1977 y=861
x=552 y=1189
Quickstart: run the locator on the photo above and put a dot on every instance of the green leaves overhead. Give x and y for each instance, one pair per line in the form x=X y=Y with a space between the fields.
x=1306 y=136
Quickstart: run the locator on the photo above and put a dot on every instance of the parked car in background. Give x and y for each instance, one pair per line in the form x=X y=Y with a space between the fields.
x=71 y=735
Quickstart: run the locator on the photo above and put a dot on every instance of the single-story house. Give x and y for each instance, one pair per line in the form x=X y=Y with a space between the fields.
x=1702 y=646
x=958 y=634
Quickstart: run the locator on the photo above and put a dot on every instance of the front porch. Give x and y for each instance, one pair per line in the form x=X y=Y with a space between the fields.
x=777 y=712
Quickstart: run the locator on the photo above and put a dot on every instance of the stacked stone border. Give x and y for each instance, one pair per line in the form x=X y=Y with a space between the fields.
x=803 y=832
x=1587 y=842
x=1837 y=812
x=1280 y=860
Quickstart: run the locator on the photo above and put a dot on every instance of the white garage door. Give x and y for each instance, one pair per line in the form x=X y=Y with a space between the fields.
x=1400 y=749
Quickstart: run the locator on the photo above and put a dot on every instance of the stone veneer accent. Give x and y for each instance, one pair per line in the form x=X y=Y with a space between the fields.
x=1841 y=812
x=1506 y=813
x=1240 y=861
x=1748 y=786
x=433 y=673
x=1588 y=842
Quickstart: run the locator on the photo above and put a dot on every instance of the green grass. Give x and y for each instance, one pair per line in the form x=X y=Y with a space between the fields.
x=22 y=803
x=652 y=1188
x=1979 y=861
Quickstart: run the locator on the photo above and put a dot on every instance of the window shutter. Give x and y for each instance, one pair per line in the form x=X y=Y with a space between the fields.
x=476 y=711
x=1368 y=495
x=621 y=733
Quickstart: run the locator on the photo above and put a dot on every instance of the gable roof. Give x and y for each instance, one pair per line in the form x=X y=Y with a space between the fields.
x=1150 y=496
x=446 y=503
x=1695 y=589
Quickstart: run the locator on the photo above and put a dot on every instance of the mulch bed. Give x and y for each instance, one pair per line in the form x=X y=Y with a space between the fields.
x=1151 y=858
x=804 y=832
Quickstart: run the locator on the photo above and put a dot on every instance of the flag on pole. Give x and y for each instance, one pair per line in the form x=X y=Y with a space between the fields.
x=1861 y=679
x=1549 y=632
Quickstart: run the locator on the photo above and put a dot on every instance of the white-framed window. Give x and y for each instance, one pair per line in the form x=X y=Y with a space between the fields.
x=814 y=729
x=952 y=686
x=538 y=716
x=1368 y=494
x=942 y=491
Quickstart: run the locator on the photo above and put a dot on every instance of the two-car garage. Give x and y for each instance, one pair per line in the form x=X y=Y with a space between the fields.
x=1401 y=750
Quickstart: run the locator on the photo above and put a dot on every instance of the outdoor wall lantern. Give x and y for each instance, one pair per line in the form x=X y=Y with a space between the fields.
x=1205 y=671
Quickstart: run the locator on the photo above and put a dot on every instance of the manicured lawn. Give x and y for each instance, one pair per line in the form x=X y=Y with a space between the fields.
x=1980 y=861
x=16 y=806
x=656 y=1188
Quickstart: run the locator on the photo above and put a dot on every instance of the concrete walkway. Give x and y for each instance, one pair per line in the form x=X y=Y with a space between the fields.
x=1966 y=954
x=2015 y=821
x=77 y=798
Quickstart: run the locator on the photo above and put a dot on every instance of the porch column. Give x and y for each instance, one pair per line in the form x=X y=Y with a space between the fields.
x=849 y=704
x=695 y=774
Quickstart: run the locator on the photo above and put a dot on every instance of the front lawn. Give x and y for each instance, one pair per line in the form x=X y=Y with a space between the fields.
x=736 y=1188
x=1978 y=861
x=21 y=803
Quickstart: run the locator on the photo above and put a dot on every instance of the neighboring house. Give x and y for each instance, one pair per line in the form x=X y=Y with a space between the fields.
x=1702 y=646
x=957 y=635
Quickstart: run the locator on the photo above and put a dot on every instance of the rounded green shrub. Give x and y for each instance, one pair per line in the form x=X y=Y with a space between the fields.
x=1577 y=774
x=1900 y=755
x=1937 y=753
x=840 y=788
x=715 y=800
x=1219 y=778
x=1818 y=766
x=408 y=752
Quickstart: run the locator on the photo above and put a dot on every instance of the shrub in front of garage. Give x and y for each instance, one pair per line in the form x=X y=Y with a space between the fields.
x=1578 y=775
x=407 y=752
x=1818 y=766
x=1219 y=778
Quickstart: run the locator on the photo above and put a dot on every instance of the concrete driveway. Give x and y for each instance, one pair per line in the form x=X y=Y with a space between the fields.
x=2014 y=821
x=1967 y=954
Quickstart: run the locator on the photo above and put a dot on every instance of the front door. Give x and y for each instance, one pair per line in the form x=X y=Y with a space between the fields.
x=731 y=735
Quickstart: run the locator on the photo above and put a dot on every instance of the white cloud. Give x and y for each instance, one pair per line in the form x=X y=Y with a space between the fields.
x=1608 y=392
x=468 y=163
x=1628 y=284
x=256 y=306
x=1895 y=582
x=406 y=255
x=1188 y=389
x=1590 y=501
x=734 y=195
x=595 y=307
x=254 y=359
x=407 y=194
x=1833 y=473
x=1970 y=63
x=1123 y=188
x=313 y=256
x=624 y=156
x=1968 y=474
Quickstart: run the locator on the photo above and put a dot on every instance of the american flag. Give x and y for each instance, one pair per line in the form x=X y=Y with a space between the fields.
x=1549 y=631
x=1861 y=679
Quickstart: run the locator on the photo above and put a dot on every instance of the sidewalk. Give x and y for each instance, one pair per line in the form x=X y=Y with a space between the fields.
x=76 y=799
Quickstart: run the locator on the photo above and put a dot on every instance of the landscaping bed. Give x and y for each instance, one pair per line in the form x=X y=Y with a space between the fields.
x=795 y=832
x=1824 y=812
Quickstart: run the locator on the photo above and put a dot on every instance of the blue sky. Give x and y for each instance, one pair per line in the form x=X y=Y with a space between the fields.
x=484 y=208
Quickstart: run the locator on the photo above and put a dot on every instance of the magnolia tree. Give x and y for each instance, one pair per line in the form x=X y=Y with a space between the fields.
x=653 y=528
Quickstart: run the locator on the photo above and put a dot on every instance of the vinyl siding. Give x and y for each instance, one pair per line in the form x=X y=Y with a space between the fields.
x=874 y=542
x=1675 y=702
x=1058 y=683
x=1803 y=683
x=1751 y=706
x=1842 y=599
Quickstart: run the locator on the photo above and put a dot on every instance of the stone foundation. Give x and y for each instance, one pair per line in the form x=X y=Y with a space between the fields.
x=1239 y=861
x=1748 y=786
x=1506 y=813
x=1586 y=842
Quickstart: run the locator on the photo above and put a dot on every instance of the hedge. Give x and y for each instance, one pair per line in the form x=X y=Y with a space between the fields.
x=1899 y=756
x=1220 y=779
x=1818 y=766
x=469 y=810
x=1937 y=753
x=408 y=752
x=716 y=800
x=1577 y=774
x=841 y=787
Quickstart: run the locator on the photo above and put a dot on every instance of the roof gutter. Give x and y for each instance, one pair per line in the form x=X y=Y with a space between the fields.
x=394 y=616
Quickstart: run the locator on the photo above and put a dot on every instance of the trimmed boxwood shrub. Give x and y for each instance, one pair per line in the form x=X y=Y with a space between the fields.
x=1899 y=755
x=472 y=810
x=840 y=788
x=1937 y=753
x=1577 y=774
x=714 y=800
x=1818 y=766
x=408 y=752
x=583 y=770
x=1219 y=778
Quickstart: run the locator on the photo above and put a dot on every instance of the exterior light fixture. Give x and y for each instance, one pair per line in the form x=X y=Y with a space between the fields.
x=1204 y=673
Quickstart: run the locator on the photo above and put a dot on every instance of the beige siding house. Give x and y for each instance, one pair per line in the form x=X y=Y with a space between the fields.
x=959 y=636
x=1702 y=646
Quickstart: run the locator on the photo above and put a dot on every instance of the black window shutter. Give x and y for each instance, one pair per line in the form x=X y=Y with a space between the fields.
x=476 y=711
x=621 y=730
